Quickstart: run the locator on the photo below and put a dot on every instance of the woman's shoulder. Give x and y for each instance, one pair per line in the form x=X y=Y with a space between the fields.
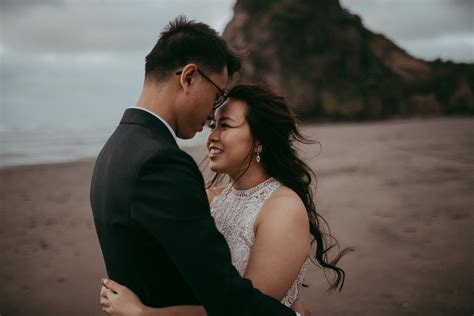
x=212 y=192
x=288 y=197
x=283 y=214
x=284 y=204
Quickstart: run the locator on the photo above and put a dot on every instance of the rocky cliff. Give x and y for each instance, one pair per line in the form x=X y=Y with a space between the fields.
x=329 y=66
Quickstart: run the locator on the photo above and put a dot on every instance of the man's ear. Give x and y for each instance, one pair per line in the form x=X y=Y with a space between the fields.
x=188 y=73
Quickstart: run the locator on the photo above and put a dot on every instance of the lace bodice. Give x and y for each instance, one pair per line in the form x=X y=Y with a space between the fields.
x=234 y=212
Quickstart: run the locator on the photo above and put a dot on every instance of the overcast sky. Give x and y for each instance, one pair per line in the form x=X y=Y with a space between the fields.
x=80 y=62
x=428 y=29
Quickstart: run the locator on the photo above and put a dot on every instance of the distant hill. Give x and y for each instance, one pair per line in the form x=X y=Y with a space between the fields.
x=329 y=66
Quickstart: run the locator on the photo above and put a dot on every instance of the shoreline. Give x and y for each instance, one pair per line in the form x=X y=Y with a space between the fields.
x=304 y=125
x=188 y=149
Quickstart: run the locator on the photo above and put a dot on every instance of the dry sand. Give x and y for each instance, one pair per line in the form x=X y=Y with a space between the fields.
x=400 y=192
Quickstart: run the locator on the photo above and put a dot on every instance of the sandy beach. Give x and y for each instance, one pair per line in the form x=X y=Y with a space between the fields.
x=399 y=192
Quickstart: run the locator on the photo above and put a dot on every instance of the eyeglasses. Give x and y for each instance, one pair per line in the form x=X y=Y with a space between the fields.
x=223 y=94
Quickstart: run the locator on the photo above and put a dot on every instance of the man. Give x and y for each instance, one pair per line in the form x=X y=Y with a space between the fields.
x=148 y=199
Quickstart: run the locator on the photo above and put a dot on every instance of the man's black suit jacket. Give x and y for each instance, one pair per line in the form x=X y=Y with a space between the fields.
x=155 y=229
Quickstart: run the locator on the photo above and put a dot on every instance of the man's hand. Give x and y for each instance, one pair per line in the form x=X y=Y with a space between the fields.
x=299 y=306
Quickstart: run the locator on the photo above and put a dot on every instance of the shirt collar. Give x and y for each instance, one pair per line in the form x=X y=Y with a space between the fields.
x=158 y=117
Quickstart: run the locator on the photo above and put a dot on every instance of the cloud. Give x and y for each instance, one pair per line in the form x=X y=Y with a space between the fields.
x=426 y=28
x=85 y=26
x=54 y=90
x=458 y=46
x=408 y=19
x=12 y=6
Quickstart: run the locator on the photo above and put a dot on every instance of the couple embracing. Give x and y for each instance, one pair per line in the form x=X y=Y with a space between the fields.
x=171 y=244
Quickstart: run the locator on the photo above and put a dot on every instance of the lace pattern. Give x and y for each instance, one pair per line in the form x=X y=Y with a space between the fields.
x=234 y=212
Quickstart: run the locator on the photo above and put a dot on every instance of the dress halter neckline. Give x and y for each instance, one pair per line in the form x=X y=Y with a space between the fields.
x=250 y=191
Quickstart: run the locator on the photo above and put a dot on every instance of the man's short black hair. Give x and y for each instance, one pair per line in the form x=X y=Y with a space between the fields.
x=183 y=42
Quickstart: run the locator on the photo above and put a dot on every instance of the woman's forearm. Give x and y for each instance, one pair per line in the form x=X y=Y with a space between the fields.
x=181 y=310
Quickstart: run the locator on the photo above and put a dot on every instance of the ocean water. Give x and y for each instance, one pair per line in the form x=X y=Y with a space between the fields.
x=51 y=145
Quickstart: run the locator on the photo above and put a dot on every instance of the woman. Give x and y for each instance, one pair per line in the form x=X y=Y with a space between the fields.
x=266 y=213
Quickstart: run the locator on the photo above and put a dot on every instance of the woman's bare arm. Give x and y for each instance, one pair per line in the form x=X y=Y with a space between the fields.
x=118 y=300
x=181 y=310
x=281 y=243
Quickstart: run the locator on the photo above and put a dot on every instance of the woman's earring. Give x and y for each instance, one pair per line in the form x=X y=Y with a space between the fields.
x=258 y=157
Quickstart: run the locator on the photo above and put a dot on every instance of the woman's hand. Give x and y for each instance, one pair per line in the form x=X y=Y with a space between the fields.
x=118 y=300
x=299 y=306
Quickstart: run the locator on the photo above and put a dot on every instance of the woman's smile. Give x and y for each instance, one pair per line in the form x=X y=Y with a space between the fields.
x=214 y=152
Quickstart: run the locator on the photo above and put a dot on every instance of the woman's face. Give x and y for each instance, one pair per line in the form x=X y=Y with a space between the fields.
x=230 y=140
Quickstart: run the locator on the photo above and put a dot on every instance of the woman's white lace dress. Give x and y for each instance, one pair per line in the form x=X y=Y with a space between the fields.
x=234 y=212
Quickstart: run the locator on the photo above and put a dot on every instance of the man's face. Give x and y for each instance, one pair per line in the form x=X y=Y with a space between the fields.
x=200 y=97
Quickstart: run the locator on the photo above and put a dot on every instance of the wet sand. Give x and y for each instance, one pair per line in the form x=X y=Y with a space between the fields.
x=399 y=191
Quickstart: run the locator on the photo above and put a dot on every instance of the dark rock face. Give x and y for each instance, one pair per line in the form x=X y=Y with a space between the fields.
x=329 y=66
